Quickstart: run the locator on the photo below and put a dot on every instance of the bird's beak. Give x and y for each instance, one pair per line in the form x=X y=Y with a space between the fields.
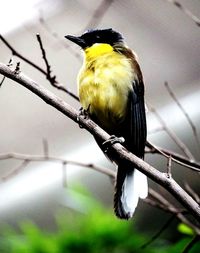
x=77 y=40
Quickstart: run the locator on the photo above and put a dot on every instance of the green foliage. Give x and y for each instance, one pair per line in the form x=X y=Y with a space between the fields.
x=96 y=232
x=185 y=229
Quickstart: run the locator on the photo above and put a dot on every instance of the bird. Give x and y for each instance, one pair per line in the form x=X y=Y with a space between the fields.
x=111 y=90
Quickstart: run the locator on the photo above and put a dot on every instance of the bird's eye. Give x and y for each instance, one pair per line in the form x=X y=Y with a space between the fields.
x=97 y=36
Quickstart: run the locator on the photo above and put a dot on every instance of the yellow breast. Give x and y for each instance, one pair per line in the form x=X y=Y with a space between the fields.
x=104 y=83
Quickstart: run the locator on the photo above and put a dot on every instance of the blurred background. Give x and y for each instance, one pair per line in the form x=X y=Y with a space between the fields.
x=166 y=41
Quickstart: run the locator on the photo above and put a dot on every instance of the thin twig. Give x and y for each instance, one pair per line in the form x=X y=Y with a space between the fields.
x=161 y=203
x=43 y=158
x=15 y=53
x=56 y=85
x=49 y=77
x=93 y=22
x=169 y=207
x=15 y=171
x=195 y=239
x=98 y=14
x=9 y=65
x=186 y=11
x=177 y=158
x=192 y=193
x=169 y=167
x=55 y=35
x=194 y=130
x=45 y=148
x=174 y=137
x=161 y=206
x=156 y=130
x=161 y=230
x=64 y=174
x=3 y=79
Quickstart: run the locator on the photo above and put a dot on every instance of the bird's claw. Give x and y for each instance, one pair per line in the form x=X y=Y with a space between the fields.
x=111 y=141
x=83 y=113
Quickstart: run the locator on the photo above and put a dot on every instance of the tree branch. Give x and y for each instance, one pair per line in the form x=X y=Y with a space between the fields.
x=173 y=136
x=53 y=80
x=154 y=199
x=118 y=151
x=186 y=11
x=191 y=244
x=161 y=230
x=194 y=130
x=177 y=158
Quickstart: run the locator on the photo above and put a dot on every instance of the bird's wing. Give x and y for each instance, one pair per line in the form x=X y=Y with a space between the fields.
x=134 y=126
x=133 y=129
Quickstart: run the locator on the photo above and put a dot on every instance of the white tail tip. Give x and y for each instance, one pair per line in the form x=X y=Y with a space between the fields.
x=135 y=186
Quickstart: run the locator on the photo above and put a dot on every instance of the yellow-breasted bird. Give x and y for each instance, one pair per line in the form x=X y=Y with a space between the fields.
x=111 y=88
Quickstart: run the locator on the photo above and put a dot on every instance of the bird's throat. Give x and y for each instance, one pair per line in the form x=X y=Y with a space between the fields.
x=97 y=50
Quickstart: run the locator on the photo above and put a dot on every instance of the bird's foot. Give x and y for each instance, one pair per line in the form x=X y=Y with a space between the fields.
x=111 y=141
x=83 y=113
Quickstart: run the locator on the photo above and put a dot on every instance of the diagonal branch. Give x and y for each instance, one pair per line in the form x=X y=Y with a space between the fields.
x=194 y=130
x=167 y=206
x=15 y=53
x=177 y=158
x=98 y=14
x=186 y=11
x=162 y=229
x=118 y=152
x=173 y=136
x=191 y=244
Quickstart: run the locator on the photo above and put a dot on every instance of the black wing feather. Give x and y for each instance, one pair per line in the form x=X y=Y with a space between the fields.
x=134 y=131
x=134 y=126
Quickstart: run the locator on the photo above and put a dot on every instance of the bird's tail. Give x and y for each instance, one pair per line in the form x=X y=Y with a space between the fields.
x=130 y=186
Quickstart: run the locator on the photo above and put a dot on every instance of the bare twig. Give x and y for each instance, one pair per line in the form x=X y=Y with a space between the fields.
x=43 y=158
x=3 y=79
x=177 y=158
x=93 y=22
x=169 y=166
x=15 y=53
x=117 y=151
x=174 y=137
x=56 y=84
x=9 y=65
x=156 y=130
x=192 y=193
x=58 y=39
x=64 y=170
x=159 y=202
x=49 y=77
x=162 y=229
x=16 y=170
x=194 y=130
x=191 y=244
x=98 y=14
x=45 y=148
x=169 y=207
x=186 y=11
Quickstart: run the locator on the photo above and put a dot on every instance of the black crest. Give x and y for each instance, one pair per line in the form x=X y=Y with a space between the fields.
x=108 y=36
x=90 y=37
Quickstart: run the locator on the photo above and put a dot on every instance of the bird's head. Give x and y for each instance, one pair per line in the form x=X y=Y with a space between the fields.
x=91 y=37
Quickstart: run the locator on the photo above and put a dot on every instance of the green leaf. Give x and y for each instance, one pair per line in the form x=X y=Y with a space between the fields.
x=185 y=229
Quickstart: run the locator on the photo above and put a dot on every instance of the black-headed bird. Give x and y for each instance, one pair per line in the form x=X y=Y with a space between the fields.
x=111 y=89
